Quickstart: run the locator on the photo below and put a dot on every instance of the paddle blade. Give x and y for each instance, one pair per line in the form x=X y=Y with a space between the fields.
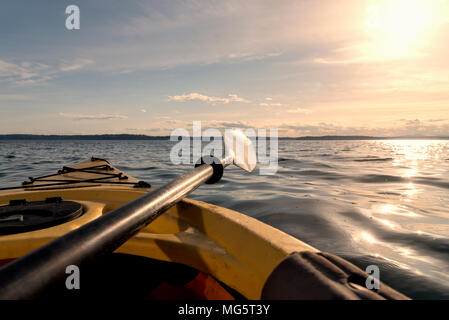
x=240 y=150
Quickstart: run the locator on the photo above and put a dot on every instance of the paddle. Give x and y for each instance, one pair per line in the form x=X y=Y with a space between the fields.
x=31 y=274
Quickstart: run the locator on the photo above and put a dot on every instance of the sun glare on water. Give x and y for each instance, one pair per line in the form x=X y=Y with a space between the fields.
x=397 y=27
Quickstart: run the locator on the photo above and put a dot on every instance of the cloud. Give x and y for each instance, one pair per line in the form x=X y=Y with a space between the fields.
x=201 y=97
x=402 y=127
x=437 y=120
x=286 y=107
x=165 y=125
x=24 y=73
x=343 y=61
x=235 y=98
x=264 y=104
x=75 y=65
x=247 y=57
x=150 y=35
x=226 y=124
x=29 y=73
x=93 y=116
x=299 y=110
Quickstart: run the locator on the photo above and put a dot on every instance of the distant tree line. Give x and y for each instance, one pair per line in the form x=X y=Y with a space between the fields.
x=145 y=137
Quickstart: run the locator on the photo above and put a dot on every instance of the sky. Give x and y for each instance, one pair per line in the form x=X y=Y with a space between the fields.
x=304 y=67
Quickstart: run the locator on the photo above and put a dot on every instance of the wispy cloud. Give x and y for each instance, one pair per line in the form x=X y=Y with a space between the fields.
x=246 y=57
x=342 y=61
x=202 y=97
x=403 y=127
x=227 y=124
x=271 y=104
x=236 y=98
x=244 y=36
x=299 y=110
x=29 y=73
x=75 y=65
x=24 y=73
x=93 y=116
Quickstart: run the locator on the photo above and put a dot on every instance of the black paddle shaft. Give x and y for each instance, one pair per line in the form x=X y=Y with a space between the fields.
x=27 y=277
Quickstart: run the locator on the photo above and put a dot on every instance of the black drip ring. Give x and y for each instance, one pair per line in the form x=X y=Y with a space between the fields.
x=217 y=166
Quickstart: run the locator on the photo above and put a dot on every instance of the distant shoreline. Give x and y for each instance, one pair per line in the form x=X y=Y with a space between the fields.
x=145 y=137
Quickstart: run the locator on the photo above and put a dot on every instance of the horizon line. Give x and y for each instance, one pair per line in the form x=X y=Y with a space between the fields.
x=127 y=136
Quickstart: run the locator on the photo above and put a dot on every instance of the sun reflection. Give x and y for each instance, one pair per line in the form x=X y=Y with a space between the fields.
x=368 y=237
x=396 y=210
x=412 y=254
x=411 y=190
x=387 y=223
x=409 y=173
x=387 y=208
x=413 y=156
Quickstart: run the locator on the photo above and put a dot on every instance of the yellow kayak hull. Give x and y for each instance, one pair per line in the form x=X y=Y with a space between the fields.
x=236 y=249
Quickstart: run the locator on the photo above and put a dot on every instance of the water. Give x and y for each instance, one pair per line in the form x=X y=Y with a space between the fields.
x=371 y=202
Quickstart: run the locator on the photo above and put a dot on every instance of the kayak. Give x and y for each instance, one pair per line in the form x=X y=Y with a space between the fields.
x=234 y=248
x=195 y=250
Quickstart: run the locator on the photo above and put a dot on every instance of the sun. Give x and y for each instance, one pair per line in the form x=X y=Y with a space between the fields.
x=398 y=27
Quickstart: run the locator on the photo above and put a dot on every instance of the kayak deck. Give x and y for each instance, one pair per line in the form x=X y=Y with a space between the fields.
x=233 y=248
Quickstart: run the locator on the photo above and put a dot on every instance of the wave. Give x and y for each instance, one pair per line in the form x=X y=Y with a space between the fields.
x=125 y=168
x=368 y=159
x=316 y=173
x=434 y=182
x=367 y=178
x=42 y=162
x=386 y=193
x=286 y=162
x=280 y=159
x=379 y=178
